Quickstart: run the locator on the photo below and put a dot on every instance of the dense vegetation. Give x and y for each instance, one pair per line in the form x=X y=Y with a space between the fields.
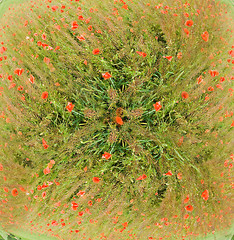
x=116 y=118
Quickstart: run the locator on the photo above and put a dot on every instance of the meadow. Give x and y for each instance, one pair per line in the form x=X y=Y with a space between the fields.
x=116 y=119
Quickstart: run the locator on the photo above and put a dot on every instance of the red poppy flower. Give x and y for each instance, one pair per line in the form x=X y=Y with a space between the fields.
x=106 y=75
x=46 y=171
x=169 y=173
x=119 y=120
x=189 y=23
x=210 y=89
x=189 y=208
x=70 y=106
x=18 y=71
x=1 y=167
x=74 y=206
x=43 y=194
x=96 y=51
x=44 y=95
x=205 y=195
x=54 y=8
x=14 y=192
x=179 y=55
x=106 y=155
x=199 y=79
x=184 y=95
x=81 y=38
x=142 y=177
x=179 y=175
x=96 y=179
x=44 y=143
x=31 y=79
x=205 y=36
x=186 y=31
x=186 y=199
x=213 y=73
x=74 y=25
x=43 y=36
x=157 y=106
x=169 y=58
x=142 y=54
x=46 y=60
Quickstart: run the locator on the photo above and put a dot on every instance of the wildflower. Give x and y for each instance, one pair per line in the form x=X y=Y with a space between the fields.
x=46 y=171
x=96 y=179
x=18 y=71
x=189 y=208
x=186 y=199
x=74 y=205
x=169 y=173
x=44 y=95
x=81 y=38
x=179 y=175
x=74 y=25
x=46 y=60
x=14 y=192
x=96 y=51
x=189 y=23
x=184 y=95
x=179 y=55
x=205 y=195
x=169 y=58
x=43 y=36
x=44 y=143
x=142 y=54
x=205 y=36
x=142 y=177
x=31 y=79
x=199 y=79
x=106 y=75
x=106 y=155
x=119 y=120
x=157 y=106
x=210 y=89
x=70 y=106
x=213 y=73
x=186 y=31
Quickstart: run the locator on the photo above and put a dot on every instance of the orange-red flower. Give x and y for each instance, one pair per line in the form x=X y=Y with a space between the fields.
x=106 y=155
x=96 y=51
x=157 y=106
x=44 y=143
x=189 y=23
x=119 y=120
x=46 y=171
x=189 y=208
x=205 y=195
x=14 y=192
x=169 y=58
x=70 y=106
x=142 y=177
x=74 y=25
x=205 y=36
x=179 y=175
x=142 y=54
x=44 y=95
x=186 y=31
x=18 y=71
x=96 y=179
x=184 y=95
x=106 y=75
